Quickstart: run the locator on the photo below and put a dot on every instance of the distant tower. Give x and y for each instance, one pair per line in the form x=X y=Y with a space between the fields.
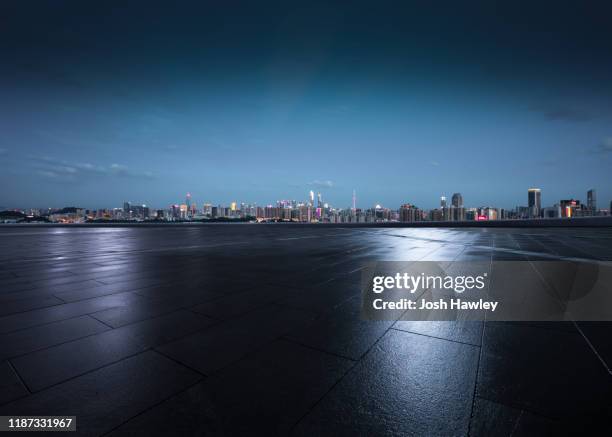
x=443 y=202
x=319 y=201
x=534 y=201
x=458 y=211
x=188 y=200
x=592 y=200
x=457 y=200
x=354 y=200
x=311 y=198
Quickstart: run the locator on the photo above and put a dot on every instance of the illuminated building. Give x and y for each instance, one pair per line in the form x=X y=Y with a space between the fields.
x=534 y=201
x=569 y=208
x=409 y=213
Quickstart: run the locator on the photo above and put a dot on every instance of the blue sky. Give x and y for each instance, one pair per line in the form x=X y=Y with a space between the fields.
x=259 y=102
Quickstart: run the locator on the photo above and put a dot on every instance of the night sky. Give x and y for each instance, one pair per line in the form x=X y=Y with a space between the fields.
x=261 y=101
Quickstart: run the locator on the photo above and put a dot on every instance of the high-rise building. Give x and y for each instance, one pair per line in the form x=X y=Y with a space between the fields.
x=354 y=201
x=457 y=200
x=319 y=201
x=443 y=201
x=569 y=207
x=311 y=195
x=457 y=210
x=592 y=200
x=534 y=201
x=410 y=213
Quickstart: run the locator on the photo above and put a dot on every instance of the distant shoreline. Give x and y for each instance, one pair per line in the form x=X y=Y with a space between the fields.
x=588 y=222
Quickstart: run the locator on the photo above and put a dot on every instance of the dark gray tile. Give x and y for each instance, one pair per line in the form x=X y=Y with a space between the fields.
x=222 y=344
x=65 y=311
x=493 y=419
x=547 y=371
x=323 y=298
x=56 y=364
x=29 y=340
x=11 y=387
x=22 y=305
x=341 y=332
x=464 y=332
x=89 y=292
x=46 y=292
x=407 y=384
x=239 y=303
x=104 y=399
x=270 y=390
x=599 y=335
x=44 y=368
x=189 y=413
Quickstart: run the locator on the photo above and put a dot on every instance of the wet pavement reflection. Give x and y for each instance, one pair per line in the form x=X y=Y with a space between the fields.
x=238 y=329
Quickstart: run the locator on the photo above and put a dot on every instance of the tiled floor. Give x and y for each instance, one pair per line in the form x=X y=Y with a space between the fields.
x=245 y=329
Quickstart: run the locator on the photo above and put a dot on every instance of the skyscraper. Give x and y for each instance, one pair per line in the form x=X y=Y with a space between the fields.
x=457 y=200
x=457 y=209
x=311 y=198
x=592 y=200
x=534 y=201
x=443 y=201
x=354 y=201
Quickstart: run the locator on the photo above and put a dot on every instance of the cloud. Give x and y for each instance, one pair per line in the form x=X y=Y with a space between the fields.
x=605 y=146
x=565 y=113
x=321 y=184
x=58 y=169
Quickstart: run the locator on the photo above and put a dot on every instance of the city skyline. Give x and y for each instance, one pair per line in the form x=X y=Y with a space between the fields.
x=264 y=101
x=441 y=200
x=309 y=210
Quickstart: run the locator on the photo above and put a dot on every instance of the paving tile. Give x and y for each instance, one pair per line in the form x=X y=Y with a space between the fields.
x=89 y=292
x=235 y=304
x=55 y=313
x=23 y=305
x=45 y=292
x=323 y=298
x=341 y=332
x=106 y=398
x=29 y=340
x=124 y=315
x=546 y=371
x=271 y=389
x=464 y=332
x=222 y=344
x=11 y=387
x=407 y=384
x=44 y=368
x=50 y=366
x=599 y=335
x=493 y=419
x=189 y=413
